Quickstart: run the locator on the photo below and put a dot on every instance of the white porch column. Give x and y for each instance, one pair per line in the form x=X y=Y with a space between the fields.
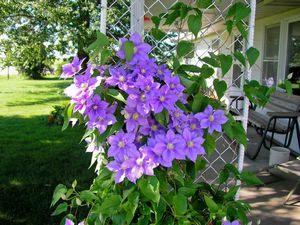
x=247 y=76
x=103 y=16
x=137 y=16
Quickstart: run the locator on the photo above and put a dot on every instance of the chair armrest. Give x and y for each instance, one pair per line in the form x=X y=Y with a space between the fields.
x=284 y=114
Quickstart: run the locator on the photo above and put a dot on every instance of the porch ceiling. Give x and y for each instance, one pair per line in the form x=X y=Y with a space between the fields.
x=265 y=8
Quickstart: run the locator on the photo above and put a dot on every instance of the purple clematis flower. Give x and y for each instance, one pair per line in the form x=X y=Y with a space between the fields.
x=174 y=84
x=140 y=164
x=193 y=144
x=163 y=99
x=178 y=118
x=70 y=222
x=151 y=128
x=141 y=49
x=194 y=125
x=211 y=119
x=69 y=70
x=133 y=119
x=121 y=168
x=103 y=120
x=236 y=222
x=96 y=108
x=120 y=77
x=145 y=69
x=141 y=102
x=122 y=146
x=147 y=85
x=80 y=103
x=163 y=71
x=169 y=147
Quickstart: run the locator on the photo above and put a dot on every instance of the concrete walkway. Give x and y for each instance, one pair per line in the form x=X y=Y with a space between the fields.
x=267 y=201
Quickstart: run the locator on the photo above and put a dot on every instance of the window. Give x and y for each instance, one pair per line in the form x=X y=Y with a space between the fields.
x=293 y=54
x=271 y=49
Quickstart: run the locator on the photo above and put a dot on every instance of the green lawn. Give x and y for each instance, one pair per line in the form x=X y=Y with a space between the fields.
x=35 y=157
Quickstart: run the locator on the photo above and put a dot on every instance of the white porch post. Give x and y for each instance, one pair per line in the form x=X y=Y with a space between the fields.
x=247 y=76
x=137 y=16
x=103 y=16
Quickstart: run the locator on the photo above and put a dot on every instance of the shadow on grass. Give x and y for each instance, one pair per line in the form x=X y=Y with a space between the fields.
x=36 y=102
x=34 y=158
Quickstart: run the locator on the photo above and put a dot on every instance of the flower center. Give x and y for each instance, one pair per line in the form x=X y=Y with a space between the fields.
x=170 y=146
x=135 y=116
x=211 y=118
x=143 y=71
x=143 y=97
x=148 y=88
x=121 y=78
x=121 y=144
x=135 y=49
x=123 y=166
x=160 y=72
x=172 y=86
x=154 y=128
x=84 y=86
x=100 y=118
x=193 y=126
x=190 y=144
x=95 y=107
x=139 y=161
x=74 y=69
x=176 y=114
x=162 y=98
x=82 y=101
x=126 y=115
x=125 y=157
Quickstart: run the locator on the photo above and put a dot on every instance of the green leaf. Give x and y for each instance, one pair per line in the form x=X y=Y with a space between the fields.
x=223 y=176
x=129 y=50
x=288 y=87
x=116 y=94
x=59 y=191
x=87 y=133
x=184 y=9
x=252 y=55
x=239 y=133
x=180 y=204
x=111 y=204
x=207 y=71
x=131 y=206
x=240 y=57
x=87 y=196
x=63 y=207
x=211 y=61
x=158 y=34
x=97 y=46
x=209 y=144
x=184 y=48
x=160 y=210
x=220 y=87
x=187 y=191
x=250 y=178
x=241 y=27
x=229 y=196
x=226 y=63
x=194 y=24
x=162 y=117
x=67 y=116
x=212 y=206
x=200 y=164
x=229 y=26
x=239 y=11
x=156 y=20
x=190 y=68
x=172 y=17
x=204 y=4
x=196 y=106
x=149 y=187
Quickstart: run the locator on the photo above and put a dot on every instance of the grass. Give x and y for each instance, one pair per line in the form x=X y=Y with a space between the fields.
x=35 y=157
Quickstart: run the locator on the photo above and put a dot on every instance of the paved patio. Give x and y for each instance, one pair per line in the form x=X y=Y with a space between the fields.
x=267 y=201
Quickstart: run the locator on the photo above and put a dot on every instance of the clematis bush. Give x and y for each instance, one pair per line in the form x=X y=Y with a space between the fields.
x=148 y=125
